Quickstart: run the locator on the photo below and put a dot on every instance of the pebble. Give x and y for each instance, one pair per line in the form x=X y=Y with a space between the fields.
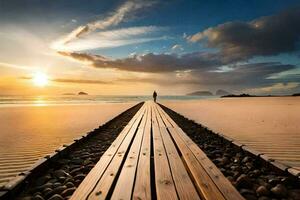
x=56 y=197
x=60 y=173
x=294 y=194
x=264 y=198
x=243 y=181
x=262 y=191
x=68 y=192
x=42 y=180
x=59 y=189
x=38 y=197
x=79 y=177
x=279 y=191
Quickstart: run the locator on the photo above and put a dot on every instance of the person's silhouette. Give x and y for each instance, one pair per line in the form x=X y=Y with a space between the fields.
x=154 y=96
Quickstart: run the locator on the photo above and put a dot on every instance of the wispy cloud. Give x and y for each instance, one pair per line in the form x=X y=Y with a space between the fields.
x=177 y=47
x=278 y=87
x=68 y=80
x=124 y=12
x=111 y=38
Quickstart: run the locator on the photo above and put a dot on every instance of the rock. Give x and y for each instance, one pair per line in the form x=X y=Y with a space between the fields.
x=264 y=198
x=47 y=192
x=243 y=181
x=279 y=191
x=79 y=177
x=294 y=194
x=69 y=184
x=249 y=165
x=54 y=180
x=246 y=191
x=256 y=172
x=42 y=180
x=38 y=197
x=274 y=181
x=246 y=159
x=59 y=189
x=77 y=161
x=223 y=161
x=56 y=197
x=60 y=173
x=46 y=185
x=55 y=185
x=250 y=197
x=75 y=171
x=262 y=191
x=68 y=192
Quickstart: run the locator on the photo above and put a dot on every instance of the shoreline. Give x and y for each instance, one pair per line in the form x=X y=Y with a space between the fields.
x=62 y=171
x=255 y=175
x=59 y=174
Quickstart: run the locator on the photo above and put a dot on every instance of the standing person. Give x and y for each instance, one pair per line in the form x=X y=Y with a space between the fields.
x=154 y=96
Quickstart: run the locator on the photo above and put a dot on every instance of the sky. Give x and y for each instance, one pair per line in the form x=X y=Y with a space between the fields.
x=120 y=47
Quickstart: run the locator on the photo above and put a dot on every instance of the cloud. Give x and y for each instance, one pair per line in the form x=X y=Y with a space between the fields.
x=153 y=63
x=124 y=12
x=83 y=81
x=177 y=47
x=265 y=36
x=278 y=87
x=111 y=38
x=67 y=80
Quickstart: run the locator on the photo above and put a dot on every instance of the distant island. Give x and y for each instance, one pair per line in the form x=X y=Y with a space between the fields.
x=221 y=92
x=208 y=93
x=200 y=93
x=249 y=95
x=82 y=93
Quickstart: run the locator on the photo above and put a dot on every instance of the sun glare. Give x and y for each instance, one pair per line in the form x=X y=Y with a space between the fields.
x=40 y=79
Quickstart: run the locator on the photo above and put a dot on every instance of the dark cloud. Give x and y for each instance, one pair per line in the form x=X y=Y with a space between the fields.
x=265 y=36
x=240 y=77
x=152 y=63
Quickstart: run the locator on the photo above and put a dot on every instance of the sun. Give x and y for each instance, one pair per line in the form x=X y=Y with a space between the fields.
x=40 y=79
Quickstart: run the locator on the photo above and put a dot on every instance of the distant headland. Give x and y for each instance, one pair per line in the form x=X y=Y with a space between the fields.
x=208 y=93
x=79 y=93
x=82 y=93
x=249 y=95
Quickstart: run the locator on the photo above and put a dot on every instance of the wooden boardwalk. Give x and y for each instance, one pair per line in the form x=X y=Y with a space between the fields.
x=153 y=158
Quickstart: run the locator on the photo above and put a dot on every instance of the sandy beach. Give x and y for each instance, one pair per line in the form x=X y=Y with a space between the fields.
x=269 y=125
x=28 y=133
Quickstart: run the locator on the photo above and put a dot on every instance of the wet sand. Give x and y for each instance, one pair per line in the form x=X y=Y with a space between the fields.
x=28 y=133
x=64 y=174
x=269 y=125
x=254 y=177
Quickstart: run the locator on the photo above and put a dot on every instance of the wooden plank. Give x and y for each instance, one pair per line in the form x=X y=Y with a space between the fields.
x=104 y=184
x=127 y=175
x=142 y=188
x=183 y=184
x=203 y=182
x=88 y=184
x=221 y=182
x=165 y=188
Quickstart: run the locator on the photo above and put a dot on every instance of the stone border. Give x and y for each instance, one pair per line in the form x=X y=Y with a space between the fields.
x=277 y=165
x=16 y=184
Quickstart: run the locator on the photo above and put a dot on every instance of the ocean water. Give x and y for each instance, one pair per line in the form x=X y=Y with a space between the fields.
x=83 y=99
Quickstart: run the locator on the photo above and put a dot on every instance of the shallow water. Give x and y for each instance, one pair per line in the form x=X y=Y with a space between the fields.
x=28 y=133
x=270 y=125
